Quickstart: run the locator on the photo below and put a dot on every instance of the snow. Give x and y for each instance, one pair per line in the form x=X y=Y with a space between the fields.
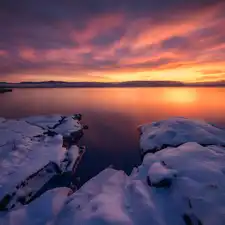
x=26 y=157
x=39 y=212
x=177 y=131
x=99 y=201
x=44 y=122
x=68 y=126
x=196 y=193
x=64 y=125
x=70 y=158
x=12 y=130
x=178 y=185
x=28 y=154
x=157 y=173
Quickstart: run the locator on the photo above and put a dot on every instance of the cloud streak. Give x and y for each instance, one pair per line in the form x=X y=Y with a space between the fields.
x=116 y=40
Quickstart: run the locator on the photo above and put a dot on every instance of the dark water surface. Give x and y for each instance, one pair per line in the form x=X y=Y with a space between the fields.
x=113 y=115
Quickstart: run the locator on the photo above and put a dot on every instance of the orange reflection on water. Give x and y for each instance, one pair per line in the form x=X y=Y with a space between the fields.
x=180 y=95
x=136 y=104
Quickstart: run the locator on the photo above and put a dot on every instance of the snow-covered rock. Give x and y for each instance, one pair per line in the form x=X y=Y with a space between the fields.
x=70 y=158
x=176 y=131
x=31 y=153
x=196 y=194
x=183 y=185
x=45 y=122
x=63 y=125
x=25 y=157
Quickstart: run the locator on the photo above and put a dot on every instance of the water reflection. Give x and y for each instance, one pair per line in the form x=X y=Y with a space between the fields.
x=113 y=115
x=180 y=95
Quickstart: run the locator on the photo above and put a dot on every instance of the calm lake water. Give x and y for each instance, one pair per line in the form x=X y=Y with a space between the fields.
x=113 y=115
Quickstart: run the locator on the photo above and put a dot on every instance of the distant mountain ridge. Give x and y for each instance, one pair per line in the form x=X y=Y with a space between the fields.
x=54 y=84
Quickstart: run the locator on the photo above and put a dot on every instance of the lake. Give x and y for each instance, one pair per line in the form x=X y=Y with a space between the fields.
x=113 y=115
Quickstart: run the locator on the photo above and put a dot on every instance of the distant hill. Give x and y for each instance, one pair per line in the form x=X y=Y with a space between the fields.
x=208 y=84
x=54 y=84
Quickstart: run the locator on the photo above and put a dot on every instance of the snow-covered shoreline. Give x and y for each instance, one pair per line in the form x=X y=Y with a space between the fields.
x=181 y=181
x=33 y=150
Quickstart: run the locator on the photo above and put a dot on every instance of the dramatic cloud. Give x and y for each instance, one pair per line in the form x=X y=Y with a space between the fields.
x=112 y=40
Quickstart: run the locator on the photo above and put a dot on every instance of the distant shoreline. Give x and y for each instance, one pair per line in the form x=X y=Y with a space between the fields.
x=129 y=84
x=61 y=87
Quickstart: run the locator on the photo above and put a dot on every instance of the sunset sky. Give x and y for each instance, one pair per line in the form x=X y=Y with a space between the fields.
x=112 y=40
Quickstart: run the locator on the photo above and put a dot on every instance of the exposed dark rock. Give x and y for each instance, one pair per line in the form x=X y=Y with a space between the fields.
x=4 y=90
x=191 y=219
x=165 y=183
x=189 y=204
x=85 y=127
x=77 y=116
x=4 y=202
x=50 y=133
x=72 y=139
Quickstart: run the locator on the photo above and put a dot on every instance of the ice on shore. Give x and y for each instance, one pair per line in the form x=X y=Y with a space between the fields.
x=177 y=185
x=176 y=131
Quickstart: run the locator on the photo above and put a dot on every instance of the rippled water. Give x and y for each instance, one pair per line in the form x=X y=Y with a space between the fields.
x=113 y=115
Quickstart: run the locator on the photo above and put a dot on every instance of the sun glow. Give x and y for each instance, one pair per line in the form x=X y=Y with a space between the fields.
x=180 y=95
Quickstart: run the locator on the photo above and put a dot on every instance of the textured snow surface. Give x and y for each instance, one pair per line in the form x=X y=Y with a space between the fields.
x=196 y=192
x=182 y=185
x=39 y=212
x=26 y=158
x=25 y=147
x=60 y=124
x=177 y=131
x=158 y=172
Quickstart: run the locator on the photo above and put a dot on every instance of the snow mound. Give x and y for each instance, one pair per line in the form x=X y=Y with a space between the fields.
x=176 y=131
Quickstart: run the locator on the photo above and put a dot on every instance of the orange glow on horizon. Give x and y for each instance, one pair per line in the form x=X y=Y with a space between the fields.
x=114 y=47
